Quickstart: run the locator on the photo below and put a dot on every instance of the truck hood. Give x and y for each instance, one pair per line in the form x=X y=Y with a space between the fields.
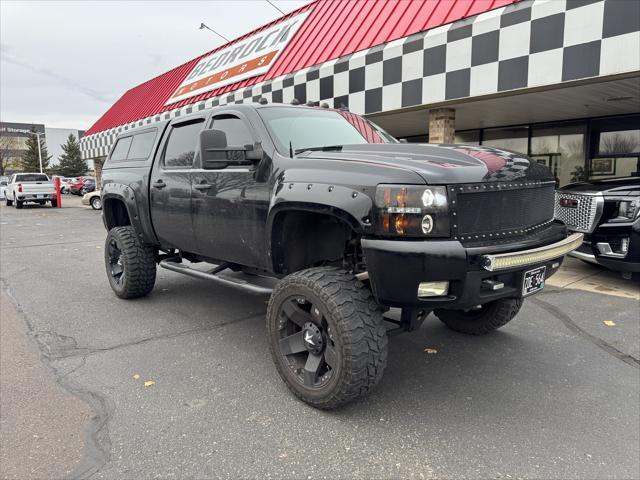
x=442 y=164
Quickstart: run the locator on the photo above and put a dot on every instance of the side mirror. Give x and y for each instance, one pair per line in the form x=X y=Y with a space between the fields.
x=253 y=152
x=216 y=154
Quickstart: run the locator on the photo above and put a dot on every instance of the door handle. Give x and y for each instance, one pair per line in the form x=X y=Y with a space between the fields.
x=202 y=186
x=159 y=184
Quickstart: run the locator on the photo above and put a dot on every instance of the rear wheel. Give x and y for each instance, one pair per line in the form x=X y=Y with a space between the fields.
x=326 y=335
x=482 y=319
x=19 y=204
x=130 y=263
x=54 y=202
x=96 y=203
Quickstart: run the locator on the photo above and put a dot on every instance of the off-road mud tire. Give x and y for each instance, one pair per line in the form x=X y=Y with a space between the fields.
x=138 y=261
x=355 y=320
x=486 y=319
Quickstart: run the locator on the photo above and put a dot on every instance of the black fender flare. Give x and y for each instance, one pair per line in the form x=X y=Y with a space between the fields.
x=126 y=195
x=351 y=206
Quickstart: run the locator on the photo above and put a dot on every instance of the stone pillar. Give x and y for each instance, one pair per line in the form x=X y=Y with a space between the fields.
x=442 y=125
x=97 y=167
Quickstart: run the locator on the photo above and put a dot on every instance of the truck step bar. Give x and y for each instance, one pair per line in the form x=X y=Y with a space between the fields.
x=233 y=282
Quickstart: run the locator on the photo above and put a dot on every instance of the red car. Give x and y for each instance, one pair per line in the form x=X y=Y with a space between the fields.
x=76 y=186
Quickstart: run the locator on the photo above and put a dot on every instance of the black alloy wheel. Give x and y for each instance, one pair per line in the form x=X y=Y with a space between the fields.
x=306 y=343
x=114 y=255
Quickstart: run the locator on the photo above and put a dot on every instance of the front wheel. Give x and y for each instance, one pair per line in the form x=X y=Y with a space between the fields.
x=482 y=319
x=96 y=203
x=327 y=337
x=130 y=263
x=8 y=202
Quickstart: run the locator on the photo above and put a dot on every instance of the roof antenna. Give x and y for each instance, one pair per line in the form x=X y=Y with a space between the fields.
x=290 y=149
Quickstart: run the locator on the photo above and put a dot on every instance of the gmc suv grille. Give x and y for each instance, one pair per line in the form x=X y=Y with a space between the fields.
x=579 y=212
x=490 y=212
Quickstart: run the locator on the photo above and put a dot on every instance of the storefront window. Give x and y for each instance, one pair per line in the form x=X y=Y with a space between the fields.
x=616 y=148
x=469 y=137
x=619 y=143
x=513 y=138
x=561 y=149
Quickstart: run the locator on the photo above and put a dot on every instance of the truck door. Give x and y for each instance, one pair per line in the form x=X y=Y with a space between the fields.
x=170 y=185
x=231 y=204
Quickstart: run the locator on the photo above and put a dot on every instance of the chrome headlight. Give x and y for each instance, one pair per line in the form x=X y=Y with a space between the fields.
x=626 y=211
x=412 y=211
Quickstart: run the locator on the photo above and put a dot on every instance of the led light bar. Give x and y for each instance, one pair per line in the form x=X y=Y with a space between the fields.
x=503 y=261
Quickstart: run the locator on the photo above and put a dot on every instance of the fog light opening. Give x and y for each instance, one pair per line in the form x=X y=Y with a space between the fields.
x=433 y=289
x=427 y=224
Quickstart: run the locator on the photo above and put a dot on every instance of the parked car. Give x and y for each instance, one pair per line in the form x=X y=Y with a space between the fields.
x=65 y=183
x=30 y=187
x=93 y=199
x=608 y=213
x=82 y=183
x=4 y=181
x=345 y=220
x=89 y=185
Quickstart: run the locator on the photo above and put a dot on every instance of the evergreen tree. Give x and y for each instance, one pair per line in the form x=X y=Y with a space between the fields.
x=30 y=162
x=71 y=163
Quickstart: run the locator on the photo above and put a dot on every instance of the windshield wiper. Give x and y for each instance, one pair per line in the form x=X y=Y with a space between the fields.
x=326 y=148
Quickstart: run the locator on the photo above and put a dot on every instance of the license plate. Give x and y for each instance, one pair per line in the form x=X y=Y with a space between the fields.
x=533 y=281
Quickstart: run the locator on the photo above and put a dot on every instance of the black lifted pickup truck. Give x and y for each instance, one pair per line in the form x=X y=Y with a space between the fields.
x=344 y=220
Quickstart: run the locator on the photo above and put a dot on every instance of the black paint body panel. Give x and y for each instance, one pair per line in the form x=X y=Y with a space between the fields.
x=229 y=214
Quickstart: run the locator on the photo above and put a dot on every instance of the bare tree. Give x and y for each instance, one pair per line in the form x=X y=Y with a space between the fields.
x=612 y=143
x=8 y=147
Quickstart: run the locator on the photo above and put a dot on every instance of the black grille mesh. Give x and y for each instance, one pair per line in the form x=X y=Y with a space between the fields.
x=504 y=210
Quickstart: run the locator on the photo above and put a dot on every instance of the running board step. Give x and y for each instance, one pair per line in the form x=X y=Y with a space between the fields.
x=232 y=282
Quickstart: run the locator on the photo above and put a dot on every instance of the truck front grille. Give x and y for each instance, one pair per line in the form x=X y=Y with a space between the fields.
x=579 y=212
x=488 y=212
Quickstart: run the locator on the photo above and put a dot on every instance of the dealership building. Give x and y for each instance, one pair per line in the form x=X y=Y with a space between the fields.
x=555 y=79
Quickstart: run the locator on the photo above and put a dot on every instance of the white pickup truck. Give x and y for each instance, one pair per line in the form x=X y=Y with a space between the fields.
x=30 y=187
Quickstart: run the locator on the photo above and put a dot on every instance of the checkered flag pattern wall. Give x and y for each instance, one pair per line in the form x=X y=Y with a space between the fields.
x=528 y=44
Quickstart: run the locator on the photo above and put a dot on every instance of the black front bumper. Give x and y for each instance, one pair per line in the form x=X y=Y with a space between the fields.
x=629 y=262
x=397 y=267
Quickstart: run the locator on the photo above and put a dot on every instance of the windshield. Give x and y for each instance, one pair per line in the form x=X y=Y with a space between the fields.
x=32 y=177
x=305 y=128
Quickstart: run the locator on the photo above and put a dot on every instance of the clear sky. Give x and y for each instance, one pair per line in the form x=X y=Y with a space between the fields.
x=65 y=63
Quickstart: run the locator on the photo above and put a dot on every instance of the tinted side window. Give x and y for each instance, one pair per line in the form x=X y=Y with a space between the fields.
x=121 y=149
x=141 y=145
x=236 y=130
x=181 y=146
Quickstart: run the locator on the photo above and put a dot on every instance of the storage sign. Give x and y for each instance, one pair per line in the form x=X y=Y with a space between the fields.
x=247 y=58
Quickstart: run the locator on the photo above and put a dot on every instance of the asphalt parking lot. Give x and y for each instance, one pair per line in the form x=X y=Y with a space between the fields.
x=181 y=383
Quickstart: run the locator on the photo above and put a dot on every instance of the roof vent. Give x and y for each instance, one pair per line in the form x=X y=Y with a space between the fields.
x=263 y=101
x=295 y=102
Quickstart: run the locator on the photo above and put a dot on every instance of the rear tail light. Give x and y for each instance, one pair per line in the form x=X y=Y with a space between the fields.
x=19 y=188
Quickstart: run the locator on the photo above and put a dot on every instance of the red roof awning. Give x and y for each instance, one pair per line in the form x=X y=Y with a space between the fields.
x=333 y=29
